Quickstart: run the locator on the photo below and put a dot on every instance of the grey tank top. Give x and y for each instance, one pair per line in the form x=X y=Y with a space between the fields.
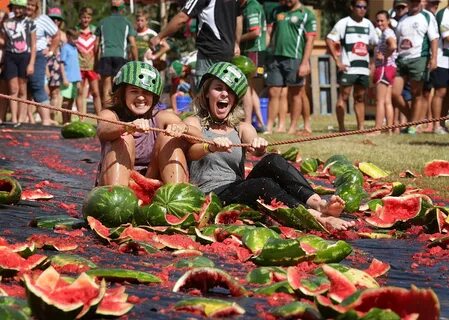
x=218 y=168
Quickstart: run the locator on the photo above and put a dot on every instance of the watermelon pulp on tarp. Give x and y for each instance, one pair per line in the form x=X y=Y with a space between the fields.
x=396 y=209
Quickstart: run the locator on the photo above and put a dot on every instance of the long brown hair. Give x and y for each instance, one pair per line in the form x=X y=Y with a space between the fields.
x=37 y=11
x=118 y=104
x=201 y=108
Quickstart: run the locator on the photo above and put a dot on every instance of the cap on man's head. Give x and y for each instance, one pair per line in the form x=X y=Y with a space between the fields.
x=399 y=3
x=117 y=3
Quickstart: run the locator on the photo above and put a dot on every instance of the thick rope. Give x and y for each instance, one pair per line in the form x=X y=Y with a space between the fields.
x=276 y=143
x=93 y=116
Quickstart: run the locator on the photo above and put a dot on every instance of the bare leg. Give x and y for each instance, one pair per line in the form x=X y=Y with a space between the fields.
x=417 y=103
x=256 y=106
x=283 y=109
x=437 y=104
x=248 y=106
x=119 y=160
x=106 y=83
x=168 y=161
x=23 y=107
x=296 y=100
x=66 y=104
x=396 y=95
x=274 y=94
x=306 y=109
x=342 y=102
x=381 y=90
x=359 y=105
x=13 y=85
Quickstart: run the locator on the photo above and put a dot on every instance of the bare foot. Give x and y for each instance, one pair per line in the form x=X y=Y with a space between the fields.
x=334 y=207
x=330 y=222
x=336 y=223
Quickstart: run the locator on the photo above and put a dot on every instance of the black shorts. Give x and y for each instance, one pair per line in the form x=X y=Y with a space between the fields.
x=440 y=78
x=15 y=65
x=109 y=66
x=283 y=72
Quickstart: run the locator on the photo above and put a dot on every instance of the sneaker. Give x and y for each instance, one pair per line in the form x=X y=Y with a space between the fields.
x=411 y=130
x=261 y=129
x=440 y=131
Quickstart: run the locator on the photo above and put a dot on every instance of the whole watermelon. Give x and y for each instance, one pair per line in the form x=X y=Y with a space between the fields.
x=78 y=129
x=112 y=205
x=245 y=64
x=179 y=198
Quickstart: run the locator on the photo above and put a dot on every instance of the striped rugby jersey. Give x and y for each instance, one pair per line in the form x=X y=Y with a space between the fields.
x=355 y=39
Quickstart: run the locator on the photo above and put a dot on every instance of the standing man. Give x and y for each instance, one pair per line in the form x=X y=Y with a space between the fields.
x=253 y=45
x=293 y=33
x=417 y=34
x=440 y=76
x=115 y=34
x=219 y=31
x=354 y=34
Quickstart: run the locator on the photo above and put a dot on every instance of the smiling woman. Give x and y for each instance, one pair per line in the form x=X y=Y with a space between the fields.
x=137 y=88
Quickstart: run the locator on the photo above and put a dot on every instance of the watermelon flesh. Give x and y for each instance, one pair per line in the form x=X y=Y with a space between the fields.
x=437 y=168
x=396 y=209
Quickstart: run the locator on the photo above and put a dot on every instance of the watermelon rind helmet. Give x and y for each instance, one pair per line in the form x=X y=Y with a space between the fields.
x=142 y=75
x=232 y=76
x=19 y=3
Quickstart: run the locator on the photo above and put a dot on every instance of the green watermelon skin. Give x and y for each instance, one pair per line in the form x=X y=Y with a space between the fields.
x=245 y=64
x=78 y=129
x=10 y=190
x=112 y=205
x=179 y=198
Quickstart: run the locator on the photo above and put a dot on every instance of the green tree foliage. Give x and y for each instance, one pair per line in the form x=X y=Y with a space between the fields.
x=332 y=11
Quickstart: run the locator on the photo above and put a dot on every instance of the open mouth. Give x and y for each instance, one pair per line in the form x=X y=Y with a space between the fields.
x=222 y=104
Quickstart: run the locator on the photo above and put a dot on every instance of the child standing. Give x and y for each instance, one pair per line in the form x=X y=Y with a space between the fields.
x=86 y=46
x=19 y=37
x=71 y=75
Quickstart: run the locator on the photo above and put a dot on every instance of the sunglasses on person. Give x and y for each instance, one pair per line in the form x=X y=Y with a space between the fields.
x=359 y=6
x=400 y=7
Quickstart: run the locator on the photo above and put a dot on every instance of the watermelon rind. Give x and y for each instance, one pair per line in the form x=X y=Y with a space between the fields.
x=10 y=190
x=210 y=307
x=111 y=205
x=44 y=305
x=114 y=274
x=78 y=129
x=179 y=199
x=280 y=252
x=296 y=310
x=436 y=168
x=206 y=278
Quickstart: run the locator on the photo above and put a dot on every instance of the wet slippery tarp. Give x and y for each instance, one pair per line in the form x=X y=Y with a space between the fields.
x=37 y=155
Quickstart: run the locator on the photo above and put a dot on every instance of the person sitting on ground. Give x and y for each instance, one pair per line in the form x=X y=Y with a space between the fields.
x=219 y=167
x=137 y=89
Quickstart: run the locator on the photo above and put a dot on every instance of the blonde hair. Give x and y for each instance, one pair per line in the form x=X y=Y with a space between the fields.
x=37 y=11
x=201 y=108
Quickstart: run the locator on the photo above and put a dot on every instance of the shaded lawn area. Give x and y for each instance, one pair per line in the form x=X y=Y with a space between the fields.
x=66 y=169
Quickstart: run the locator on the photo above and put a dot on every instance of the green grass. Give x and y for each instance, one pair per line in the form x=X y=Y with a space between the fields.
x=394 y=153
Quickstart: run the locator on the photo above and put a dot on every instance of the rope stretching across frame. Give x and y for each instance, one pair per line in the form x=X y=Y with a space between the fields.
x=276 y=143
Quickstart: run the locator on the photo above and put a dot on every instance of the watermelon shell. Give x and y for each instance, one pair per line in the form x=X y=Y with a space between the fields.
x=78 y=129
x=437 y=168
x=52 y=297
x=395 y=210
x=111 y=205
x=10 y=190
x=245 y=64
x=179 y=199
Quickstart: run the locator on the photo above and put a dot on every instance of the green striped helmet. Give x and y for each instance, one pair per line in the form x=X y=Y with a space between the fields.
x=232 y=76
x=142 y=75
